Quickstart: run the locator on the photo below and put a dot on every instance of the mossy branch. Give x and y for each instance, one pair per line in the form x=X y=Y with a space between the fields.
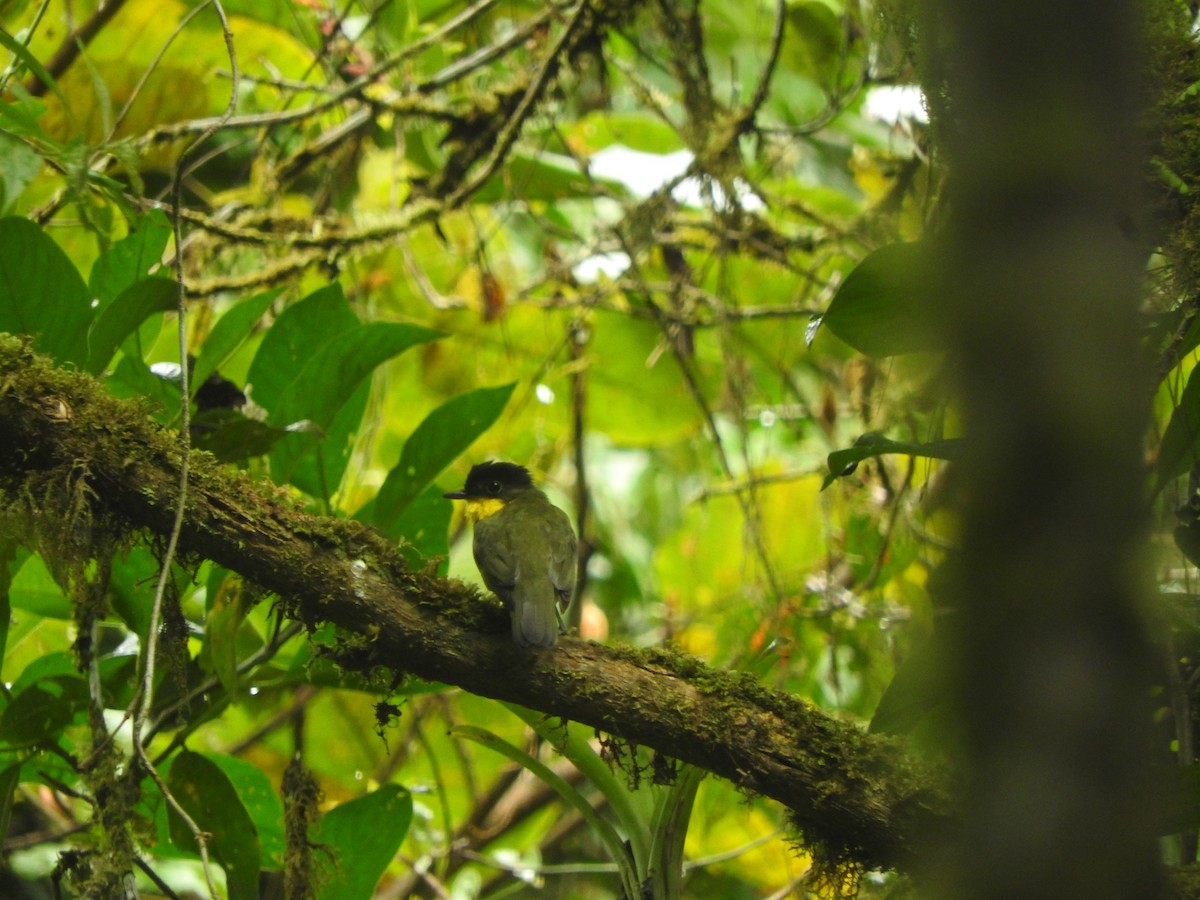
x=855 y=798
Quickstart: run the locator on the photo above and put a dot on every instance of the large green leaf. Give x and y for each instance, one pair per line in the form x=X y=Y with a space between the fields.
x=881 y=309
x=296 y=335
x=423 y=525
x=917 y=689
x=228 y=334
x=336 y=370
x=127 y=311
x=361 y=837
x=441 y=438
x=262 y=803
x=41 y=292
x=205 y=792
x=34 y=590
x=130 y=259
x=330 y=379
x=310 y=374
x=1180 y=445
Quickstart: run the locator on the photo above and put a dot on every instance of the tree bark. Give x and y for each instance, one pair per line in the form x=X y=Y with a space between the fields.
x=1038 y=105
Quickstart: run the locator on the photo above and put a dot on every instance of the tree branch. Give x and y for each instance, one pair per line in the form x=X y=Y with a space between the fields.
x=855 y=798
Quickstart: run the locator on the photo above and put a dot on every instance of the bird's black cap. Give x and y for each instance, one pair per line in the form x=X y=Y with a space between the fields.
x=492 y=479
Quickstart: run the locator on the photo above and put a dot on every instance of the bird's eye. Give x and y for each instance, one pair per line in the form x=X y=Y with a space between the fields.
x=494 y=487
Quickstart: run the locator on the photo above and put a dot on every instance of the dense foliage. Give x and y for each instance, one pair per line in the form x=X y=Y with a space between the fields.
x=663 y=254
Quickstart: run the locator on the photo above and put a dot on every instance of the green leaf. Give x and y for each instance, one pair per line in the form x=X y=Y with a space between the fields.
x=570 y=744
x=12 y=558
x=545 y=177
x=124 y=315
x=41 y=293
x=261 y=800
x=229 y=333
x=918 y=688
x=227 y=610
x=296 y=335
x=423 y=527
x=43 y=710
x=126 y=587
x=441 y=438
x=331 y=377
x=842 y=462
x=130 y=259
x=608 y=835
x=34 y=590
x=21 y=165
x=205 y=792
x=310 y=374
x=337 y=369
x=9 y=779
x=24 y=116
x=881 y=308
x=362 y=836
x=1177 y=452
x=48 y=666
x=672 y=814
x=21 y=52
x=231 y=437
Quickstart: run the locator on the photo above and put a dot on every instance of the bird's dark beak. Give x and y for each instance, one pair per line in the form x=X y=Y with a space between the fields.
x=455 y=495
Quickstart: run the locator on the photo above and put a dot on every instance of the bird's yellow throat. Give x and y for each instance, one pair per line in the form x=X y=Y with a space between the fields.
x=481 y=509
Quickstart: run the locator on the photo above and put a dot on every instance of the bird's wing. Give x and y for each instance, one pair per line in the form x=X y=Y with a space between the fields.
x=560 y=539
x=494 y=554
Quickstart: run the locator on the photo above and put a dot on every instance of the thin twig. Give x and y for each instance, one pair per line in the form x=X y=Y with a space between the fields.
x=150 y=651
x=512 y=128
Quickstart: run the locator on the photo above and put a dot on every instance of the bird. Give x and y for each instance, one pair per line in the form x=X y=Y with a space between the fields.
x=524 y=547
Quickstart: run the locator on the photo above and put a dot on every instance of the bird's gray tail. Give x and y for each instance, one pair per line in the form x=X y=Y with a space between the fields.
x=534 y=615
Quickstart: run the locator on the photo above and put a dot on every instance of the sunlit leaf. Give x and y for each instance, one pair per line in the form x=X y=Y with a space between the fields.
x=34 y=590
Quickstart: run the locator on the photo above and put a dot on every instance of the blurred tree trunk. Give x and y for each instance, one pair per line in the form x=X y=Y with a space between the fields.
x=1040 y=290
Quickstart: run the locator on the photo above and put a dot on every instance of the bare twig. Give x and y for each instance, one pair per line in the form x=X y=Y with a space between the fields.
x=145 y=703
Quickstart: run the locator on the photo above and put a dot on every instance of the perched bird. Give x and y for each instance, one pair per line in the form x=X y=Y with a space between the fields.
x=524 y=548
